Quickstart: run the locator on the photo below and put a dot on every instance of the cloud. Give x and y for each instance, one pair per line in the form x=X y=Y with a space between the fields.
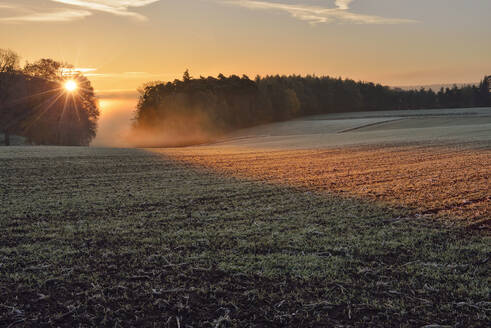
x=77 y=70
x=95 y=74
x=343 y=4
x=316 y=14
x=122 y=75
x=7 y=6
x=117 y=94
x=72 y=10
x=57 y=15
x=115 y=7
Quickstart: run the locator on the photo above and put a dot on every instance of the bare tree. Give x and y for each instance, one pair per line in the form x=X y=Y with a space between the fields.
x=48 y=69
x=9 y=61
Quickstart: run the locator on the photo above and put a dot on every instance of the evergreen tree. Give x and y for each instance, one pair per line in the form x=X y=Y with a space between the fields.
x=227 y=103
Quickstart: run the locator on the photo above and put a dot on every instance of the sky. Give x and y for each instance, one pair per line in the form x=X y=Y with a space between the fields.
x=125 y=43
x=122 y=44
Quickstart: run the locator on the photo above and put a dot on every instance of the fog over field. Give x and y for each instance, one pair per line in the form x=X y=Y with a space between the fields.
x=115 y=121
x=336 y=129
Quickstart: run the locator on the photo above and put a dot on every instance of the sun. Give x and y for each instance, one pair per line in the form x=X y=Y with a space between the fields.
x=71 y=86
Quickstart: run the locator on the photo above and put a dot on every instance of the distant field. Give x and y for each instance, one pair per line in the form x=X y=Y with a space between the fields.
x=470 y=126
x=322 y=228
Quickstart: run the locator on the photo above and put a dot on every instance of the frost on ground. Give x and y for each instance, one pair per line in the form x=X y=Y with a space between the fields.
x=98 y=237
x=432 y=127
x=238 y=234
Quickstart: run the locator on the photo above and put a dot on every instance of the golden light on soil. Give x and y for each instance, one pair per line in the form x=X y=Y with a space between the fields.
x=70 y=85
x=443 y=181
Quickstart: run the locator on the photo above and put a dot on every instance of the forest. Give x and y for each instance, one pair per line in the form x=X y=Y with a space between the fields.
x=35 y=104
x=223 y=103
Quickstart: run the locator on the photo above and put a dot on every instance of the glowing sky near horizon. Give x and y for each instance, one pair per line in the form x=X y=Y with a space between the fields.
x=124 y=43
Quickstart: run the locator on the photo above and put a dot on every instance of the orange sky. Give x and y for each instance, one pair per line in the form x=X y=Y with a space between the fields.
x=127 y=43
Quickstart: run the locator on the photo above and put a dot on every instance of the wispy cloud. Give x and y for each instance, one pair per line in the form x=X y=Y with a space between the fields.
x=94 y=73
x=343 y=4
x=115 y=7
x=77 y=70
x=78 y=9
x=317 y=14
x=70 y=10
x=57 y=15
x=7 y=6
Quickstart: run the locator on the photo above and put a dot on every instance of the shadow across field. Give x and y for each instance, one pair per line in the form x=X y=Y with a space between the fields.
x=448 y=180
x=129 y=237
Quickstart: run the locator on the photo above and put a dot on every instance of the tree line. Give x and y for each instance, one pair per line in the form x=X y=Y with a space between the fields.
x=34 y=103
x=227 y=103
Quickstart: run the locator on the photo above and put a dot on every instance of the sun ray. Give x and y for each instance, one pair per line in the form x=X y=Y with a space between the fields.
x=25 y=115
x=75 y=106
x=64 y=110
x=21 y=99
x=45 y=110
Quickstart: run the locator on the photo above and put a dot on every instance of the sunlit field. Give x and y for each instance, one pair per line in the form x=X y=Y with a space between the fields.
x=316 y=223
x=430 y=162
x=449 y=181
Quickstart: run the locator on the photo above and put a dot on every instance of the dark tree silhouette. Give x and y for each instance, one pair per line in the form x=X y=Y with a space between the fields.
x=61 y=117
x=9 y=66
x=186 y=77
x=47 y=69
x=38 y=107
x=484 y=97
x=227 y=103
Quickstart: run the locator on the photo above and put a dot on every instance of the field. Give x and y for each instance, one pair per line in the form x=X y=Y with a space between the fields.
x=446 y=181
x=361 y=220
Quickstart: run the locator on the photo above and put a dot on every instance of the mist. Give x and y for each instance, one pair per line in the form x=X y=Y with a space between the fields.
x=116 y=126
x=176 y=130
x=114 y=123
